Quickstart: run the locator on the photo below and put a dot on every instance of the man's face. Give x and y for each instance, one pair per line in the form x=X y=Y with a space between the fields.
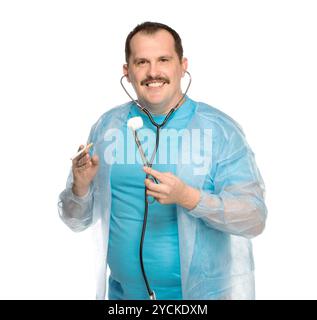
x=155 y=71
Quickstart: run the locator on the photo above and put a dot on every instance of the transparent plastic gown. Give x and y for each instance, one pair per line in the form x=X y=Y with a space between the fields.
x=215 y=250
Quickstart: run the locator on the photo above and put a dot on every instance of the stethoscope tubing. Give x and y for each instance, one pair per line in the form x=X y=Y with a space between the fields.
x=149 y=164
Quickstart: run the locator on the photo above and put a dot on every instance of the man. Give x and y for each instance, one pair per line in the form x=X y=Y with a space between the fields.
x=206 y=208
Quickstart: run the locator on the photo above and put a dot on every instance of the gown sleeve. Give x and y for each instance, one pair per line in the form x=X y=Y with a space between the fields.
x=236 y=205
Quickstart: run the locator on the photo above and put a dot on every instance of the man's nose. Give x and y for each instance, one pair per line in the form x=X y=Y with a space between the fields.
x=153 y=70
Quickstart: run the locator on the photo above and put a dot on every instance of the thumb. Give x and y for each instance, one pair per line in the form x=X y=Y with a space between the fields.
x=95 y=160
x=80 y=147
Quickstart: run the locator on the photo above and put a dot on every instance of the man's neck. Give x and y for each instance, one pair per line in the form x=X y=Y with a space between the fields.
x=165 y=110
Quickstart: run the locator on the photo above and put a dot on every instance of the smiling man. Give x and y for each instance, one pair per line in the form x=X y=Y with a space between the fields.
x=155 y=69
x=197 y=240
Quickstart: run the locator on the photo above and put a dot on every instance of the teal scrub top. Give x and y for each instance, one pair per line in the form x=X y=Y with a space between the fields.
x=161 y=248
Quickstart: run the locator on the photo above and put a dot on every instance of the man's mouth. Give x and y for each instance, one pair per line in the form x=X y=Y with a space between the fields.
x=155 y=84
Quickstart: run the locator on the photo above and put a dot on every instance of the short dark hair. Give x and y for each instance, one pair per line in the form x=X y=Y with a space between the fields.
x=151 y=28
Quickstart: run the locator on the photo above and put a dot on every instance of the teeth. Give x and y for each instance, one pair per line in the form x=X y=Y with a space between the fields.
x=155 y=84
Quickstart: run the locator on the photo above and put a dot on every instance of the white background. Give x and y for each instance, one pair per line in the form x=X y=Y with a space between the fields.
x=60 y=64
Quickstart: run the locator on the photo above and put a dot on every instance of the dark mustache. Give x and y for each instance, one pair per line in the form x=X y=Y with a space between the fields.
x=150 y=79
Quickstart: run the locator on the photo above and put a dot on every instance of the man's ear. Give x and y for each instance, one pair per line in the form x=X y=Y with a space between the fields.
x=184 y=66
x=126 y=71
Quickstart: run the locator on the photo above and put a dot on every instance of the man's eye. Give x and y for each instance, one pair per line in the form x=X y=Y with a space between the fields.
x=164 y=59
x=141 y=62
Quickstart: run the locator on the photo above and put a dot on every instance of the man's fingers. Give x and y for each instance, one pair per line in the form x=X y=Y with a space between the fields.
x=82 y=161
x=95 y=160
x=156 y=187
x=156 y=174
x=84 y=166
x=155 y=195
x=80 y=147
x=79 y=157
x=169 y=174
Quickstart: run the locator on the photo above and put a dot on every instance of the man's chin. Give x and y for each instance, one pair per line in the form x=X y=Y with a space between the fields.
x=154 y=103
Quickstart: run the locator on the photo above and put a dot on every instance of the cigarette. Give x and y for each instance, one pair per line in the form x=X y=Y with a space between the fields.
x=81 y=151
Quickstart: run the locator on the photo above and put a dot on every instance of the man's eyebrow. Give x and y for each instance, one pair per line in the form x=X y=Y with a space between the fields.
x=136 y=59
x=166 y=57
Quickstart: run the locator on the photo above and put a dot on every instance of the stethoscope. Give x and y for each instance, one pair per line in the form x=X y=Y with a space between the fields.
x=149 y=164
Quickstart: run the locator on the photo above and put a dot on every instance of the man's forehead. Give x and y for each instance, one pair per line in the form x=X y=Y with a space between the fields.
x=161 y=41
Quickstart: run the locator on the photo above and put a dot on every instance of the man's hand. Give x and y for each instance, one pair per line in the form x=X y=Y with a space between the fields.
x=171 y=189
x=84 y=170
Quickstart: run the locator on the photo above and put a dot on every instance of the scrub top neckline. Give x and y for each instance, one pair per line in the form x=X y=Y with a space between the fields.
x=183 y=111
